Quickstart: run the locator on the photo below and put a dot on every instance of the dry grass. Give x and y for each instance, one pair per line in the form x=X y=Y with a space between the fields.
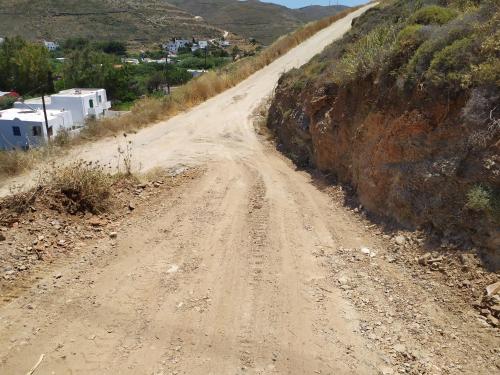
x=15 y=162
x=150 y=110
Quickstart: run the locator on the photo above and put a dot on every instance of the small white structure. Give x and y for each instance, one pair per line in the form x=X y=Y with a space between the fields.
x=147 y=60
x=2 y=40
x=196 y=72
x=203 y=44
x=26 y=128
x=131 y=61
x=51 y=46
x=82 y=103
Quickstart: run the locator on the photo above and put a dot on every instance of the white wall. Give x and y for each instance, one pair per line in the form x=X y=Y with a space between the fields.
x=8 y=140
x=78 y=105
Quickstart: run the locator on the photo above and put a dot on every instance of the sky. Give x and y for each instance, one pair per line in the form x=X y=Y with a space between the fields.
x=303 y=3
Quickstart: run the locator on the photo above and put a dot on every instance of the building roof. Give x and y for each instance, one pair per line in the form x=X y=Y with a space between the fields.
x=25 y=114
x=63 y=94
x=77 y=92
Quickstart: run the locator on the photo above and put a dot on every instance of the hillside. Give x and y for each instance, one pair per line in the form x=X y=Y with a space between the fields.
x=404 y=109
x=316 y=12
x=136 y=21
x=253 y=19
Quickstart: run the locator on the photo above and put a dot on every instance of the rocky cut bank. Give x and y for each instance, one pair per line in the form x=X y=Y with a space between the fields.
x=405 y=108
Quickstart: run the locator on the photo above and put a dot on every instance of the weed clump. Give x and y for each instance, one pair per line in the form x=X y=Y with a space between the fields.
x=433 y=14
x=85 y=186
x=484 y=199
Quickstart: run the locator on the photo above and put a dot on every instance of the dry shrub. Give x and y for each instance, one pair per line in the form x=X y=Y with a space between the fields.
x=85 y=186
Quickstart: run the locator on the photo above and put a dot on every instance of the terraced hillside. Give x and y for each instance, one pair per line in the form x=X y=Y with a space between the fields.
x=139 y=21
x=254 y=19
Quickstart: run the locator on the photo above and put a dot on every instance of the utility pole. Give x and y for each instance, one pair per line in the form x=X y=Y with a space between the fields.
x=206 y=48
x=167 y=80
x=45 y=115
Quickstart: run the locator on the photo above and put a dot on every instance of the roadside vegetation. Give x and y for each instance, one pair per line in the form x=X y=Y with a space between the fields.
x=416 y=87
x=152 y=109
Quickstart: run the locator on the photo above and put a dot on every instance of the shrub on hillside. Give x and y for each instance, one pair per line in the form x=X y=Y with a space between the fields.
x=367 y=55
x=85 y=185
x=433 y=15
x=451 y=66
x=484 y=199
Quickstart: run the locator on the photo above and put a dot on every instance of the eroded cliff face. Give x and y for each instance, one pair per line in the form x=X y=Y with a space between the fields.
x=417 y=158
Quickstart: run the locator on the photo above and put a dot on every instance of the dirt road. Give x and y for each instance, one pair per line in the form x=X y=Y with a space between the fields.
x=248 y=269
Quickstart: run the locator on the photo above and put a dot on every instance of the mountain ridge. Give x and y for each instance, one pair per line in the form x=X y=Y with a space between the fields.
x=255 y=19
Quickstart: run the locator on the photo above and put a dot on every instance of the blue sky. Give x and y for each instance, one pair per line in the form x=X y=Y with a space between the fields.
x=303 y=3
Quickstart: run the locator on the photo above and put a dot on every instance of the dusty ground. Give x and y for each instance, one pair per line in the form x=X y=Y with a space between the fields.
x=250 y=267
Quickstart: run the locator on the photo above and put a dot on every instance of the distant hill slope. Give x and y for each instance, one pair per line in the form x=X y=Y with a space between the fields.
x=316 y=12
x=254 y=19
x=140 y=21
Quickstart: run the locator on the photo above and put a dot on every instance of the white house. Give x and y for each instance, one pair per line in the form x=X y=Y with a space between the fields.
x=26 y=128
x=51 y=46
x=174 y=45
x=203 y=44
x=82 y=103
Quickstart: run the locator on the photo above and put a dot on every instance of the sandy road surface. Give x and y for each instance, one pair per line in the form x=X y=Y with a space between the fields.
x=249 y=269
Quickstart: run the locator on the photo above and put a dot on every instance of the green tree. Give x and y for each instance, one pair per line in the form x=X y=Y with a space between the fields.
x=89 y=68
x=24 y=67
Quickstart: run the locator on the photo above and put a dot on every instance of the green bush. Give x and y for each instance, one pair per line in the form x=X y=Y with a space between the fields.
x=484 y=199
x=433 y=15
x=423 y=56
x=410 y=37
x=367 y=55
x=451 y=65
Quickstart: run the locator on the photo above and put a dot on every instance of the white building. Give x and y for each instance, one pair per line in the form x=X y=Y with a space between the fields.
x=174 y=45
x=147 y=60
x=131 y=61
x=51 y=46
x=82 y=103
x=203 y=44
x=26 y=128
x=196 y=72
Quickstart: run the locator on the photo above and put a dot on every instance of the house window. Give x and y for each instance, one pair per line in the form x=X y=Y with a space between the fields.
x=100 y=99
x=16 y=130
x=37 y=131
x=91 y=103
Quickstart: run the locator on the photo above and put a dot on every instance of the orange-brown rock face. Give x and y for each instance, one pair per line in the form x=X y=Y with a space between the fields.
x=414 y=159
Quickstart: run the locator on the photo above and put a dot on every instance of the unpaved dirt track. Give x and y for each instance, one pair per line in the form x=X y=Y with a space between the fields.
x=237 y=272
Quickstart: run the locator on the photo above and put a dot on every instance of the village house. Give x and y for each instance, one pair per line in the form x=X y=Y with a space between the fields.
x=203 y=44
x=174 y=45
x=24 y=128
x=51 y=46
x=82 y=103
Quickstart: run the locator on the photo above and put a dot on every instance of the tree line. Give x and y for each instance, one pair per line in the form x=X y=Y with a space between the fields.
x=30 y=69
